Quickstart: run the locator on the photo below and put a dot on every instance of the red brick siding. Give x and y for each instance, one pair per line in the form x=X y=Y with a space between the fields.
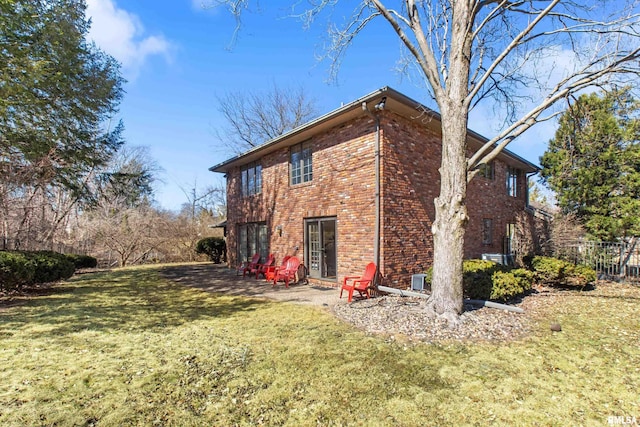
x=343 y=187
x=489 y=199
x=411 y=181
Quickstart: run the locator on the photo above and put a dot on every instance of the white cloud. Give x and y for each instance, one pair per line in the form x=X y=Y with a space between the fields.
x=122 y=35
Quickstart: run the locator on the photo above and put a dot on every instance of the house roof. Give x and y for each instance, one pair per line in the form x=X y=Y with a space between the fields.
x=395 y=101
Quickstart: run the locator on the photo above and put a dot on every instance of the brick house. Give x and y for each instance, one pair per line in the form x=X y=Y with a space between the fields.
x=312 y=193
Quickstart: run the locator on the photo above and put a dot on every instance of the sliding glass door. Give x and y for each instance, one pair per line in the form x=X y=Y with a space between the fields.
x=320 y=248
x=252 y=238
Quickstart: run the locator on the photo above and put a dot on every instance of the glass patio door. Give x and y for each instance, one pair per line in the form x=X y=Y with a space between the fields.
x=252 y=238
x=320 y=248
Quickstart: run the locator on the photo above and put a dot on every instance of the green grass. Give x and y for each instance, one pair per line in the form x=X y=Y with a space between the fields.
x=130 y=348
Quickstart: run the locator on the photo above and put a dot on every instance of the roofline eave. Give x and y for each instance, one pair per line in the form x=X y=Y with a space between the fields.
x=348 y=112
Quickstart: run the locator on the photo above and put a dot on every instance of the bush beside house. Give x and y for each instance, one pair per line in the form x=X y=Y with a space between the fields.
x=20 y=268
x=557 y=272
x=488 y=280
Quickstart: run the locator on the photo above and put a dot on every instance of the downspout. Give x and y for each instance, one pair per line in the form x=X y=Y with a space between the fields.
x=376 y=242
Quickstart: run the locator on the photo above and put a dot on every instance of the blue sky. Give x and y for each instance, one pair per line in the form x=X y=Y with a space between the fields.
x=176 y=58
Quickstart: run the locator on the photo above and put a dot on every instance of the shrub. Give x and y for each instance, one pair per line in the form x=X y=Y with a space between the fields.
x=488 y=280
x=19 y=268
x=478 y=277
x=582 y=275
x=508 y=284
x=16 y=270
x=550 y=270
x=557 y=272
x=50 y=266
x=214 y=247
x=82 y=261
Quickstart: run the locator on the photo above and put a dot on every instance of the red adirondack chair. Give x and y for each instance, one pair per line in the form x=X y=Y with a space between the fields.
x=359 y=283
x=288 y=272
x=247 y=266
x=271 y=271
x=262 y=268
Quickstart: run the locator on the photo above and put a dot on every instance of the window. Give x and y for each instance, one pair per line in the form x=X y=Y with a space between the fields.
x=251 y=179
x=252 y=238
x=487 y=231
x=487 y=170
x=301 y=163
x=510 y=235
x=512 y=181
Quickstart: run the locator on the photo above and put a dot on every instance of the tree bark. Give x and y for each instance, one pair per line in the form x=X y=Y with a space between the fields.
x=451 y=211
x=451 y=219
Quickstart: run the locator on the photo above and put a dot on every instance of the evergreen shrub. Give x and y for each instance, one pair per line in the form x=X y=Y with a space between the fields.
x=50 y=266
x=20 y=268
x=508 y=284
x=556 y=272
x=488 y=280
x=83 y=261
x=214 y=247
x=16 y=270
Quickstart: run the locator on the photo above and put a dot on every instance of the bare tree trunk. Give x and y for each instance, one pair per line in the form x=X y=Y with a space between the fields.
x=451 y=219
x=451 y=211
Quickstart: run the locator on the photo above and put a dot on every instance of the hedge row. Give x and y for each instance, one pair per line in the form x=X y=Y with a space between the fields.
x=487 y=280
x=20 y=268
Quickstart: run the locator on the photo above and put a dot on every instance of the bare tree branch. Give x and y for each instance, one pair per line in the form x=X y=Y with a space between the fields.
x=563 y=89
x=510 y=47
x=256 y=117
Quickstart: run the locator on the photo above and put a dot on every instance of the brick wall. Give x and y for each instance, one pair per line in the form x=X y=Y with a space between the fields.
x=488 y=198
x=342 y=187
x=410 y=182
x=411 y=159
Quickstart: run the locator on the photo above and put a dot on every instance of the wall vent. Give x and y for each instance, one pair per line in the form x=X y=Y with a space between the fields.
x=417 y=282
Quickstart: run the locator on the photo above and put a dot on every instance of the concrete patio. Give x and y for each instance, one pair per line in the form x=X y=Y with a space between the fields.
x=221 y=279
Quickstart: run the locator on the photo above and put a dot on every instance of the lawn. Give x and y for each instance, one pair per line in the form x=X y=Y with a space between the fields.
x=130 y=348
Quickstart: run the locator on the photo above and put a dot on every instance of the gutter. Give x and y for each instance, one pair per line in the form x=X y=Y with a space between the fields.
x=376 y=237
x=351 y=106
x=397 y=102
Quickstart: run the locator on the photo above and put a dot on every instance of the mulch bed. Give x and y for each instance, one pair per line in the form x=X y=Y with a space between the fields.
x=406 y=318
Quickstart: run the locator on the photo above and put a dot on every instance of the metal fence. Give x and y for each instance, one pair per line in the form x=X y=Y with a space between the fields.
x=611 y=260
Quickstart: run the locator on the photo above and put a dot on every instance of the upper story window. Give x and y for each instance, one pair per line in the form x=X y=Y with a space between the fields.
x=512 y=181
x=487 y=170
x=251 y=179
x=301 y=163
